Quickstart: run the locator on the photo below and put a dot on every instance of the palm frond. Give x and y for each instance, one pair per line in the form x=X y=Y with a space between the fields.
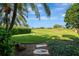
x=18 y=21
x=22 y=11
x=35 y=8
x=46 y=8
x=25 y=8
x=22 y=18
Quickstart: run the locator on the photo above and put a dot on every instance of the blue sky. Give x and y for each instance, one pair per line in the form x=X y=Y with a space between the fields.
x=57 y=15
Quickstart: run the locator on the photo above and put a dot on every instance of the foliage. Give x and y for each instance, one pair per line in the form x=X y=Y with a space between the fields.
x=72 y=16
x=57 y=26
x=14 y=14
x=19 y=30
x=5 y=43
x=16 y=31
x=62 y=48
x=17 y=13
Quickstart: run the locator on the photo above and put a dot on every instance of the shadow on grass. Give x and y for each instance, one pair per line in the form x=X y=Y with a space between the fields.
x=71 y=36
x=75 y=39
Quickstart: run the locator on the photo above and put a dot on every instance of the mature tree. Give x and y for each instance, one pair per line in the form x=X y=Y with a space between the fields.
x=72 y=16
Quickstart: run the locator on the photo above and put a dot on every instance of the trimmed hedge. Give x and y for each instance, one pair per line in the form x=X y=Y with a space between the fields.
x=20 y=31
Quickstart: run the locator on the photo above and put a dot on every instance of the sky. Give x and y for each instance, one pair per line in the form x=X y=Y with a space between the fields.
x=58 y=11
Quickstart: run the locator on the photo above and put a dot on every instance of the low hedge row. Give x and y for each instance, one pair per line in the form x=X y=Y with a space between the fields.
x=20 y=31
x=17 y=30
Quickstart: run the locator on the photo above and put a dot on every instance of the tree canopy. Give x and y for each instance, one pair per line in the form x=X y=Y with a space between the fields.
x=11 y=14
x=72 y=16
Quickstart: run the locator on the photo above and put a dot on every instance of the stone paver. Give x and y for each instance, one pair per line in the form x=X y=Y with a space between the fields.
x=41 y=45
x=41 y=50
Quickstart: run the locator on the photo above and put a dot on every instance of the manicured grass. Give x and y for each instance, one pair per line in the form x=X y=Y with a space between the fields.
x=26 y=38
x=44 y=35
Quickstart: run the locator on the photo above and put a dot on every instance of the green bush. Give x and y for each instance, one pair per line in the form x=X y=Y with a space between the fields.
x=59 y=48
x=58 y=26
x=20 y=31
x=5 y=43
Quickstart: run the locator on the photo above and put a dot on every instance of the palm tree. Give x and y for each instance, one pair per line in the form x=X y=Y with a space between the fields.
x=11 y=14
x=16 y=13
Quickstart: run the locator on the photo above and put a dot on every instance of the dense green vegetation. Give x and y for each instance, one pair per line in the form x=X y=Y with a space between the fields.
x=6 y=44
x=72 y=16
x=19 y=30
x=64 y=48
x=16 y=31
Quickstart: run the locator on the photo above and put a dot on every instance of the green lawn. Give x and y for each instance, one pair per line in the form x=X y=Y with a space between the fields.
x=44 y=35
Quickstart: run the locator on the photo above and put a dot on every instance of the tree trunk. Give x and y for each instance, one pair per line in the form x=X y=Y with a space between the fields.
x=6 y=20
x=77 y=30
x=14 y=16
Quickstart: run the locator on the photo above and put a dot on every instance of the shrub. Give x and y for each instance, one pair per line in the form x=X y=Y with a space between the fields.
x=59 y=48
x=5 y=43
x=57 y=26
x=20 y=31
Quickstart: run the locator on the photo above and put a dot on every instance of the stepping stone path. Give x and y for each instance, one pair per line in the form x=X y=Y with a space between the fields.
x=41 y=50
x=33 y=50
